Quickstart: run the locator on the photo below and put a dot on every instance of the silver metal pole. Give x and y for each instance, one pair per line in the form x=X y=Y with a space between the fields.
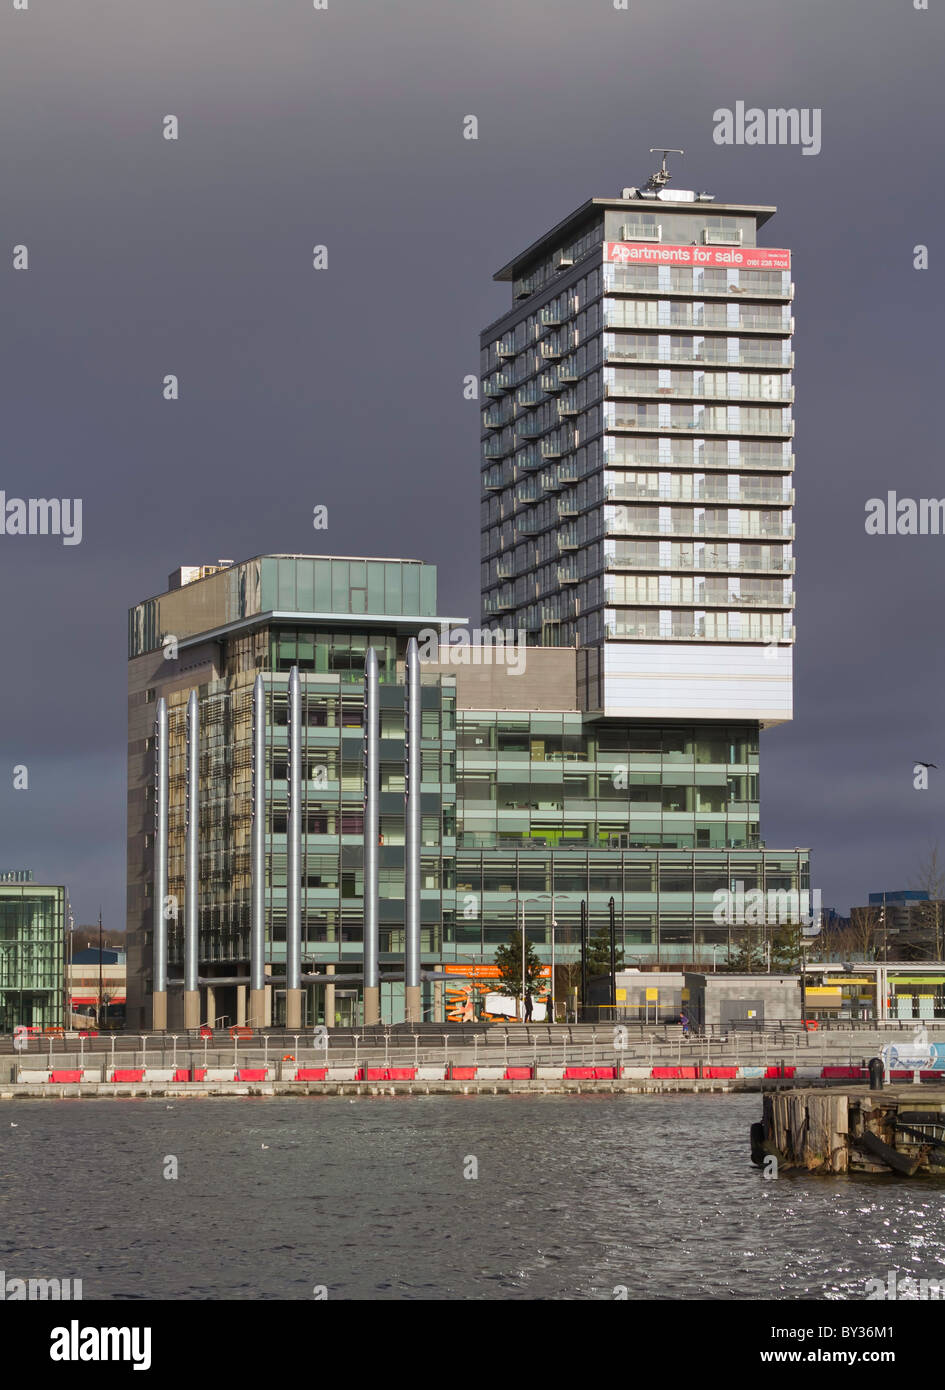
x=192 y=849
x=412 y=734
x=293 y=924
x=159 y=947
x=257 y=936
x=372 y=984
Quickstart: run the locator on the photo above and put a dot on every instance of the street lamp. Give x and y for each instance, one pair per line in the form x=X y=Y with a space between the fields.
x=533 y=898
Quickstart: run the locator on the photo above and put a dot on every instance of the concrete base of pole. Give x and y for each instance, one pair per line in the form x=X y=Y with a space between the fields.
x=191 y=1008
x=159 y=1011
x=412 y=1005
x=257 y=1008
x=293 y=1008
x=372 y=1004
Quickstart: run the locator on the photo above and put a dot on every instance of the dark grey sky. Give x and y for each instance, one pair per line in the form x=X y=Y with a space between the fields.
x=343 y=387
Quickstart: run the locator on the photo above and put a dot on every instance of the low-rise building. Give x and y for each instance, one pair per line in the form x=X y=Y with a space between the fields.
x=32 y=952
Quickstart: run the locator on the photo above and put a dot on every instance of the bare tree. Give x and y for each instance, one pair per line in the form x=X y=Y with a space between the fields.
x=930 y=877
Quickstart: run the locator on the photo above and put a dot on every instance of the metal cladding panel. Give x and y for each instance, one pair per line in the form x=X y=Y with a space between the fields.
x=192 y=852
x=293 y=926
x=371 y=819
x=257 y=952
x=412 y=808
x=161 y=760
x=651 y=680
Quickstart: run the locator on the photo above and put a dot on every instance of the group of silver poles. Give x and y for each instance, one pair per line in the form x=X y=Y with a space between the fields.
x=165 y=908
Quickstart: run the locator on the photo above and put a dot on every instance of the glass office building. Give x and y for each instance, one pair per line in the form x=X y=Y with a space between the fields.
x=32 y=953
x=528 y=798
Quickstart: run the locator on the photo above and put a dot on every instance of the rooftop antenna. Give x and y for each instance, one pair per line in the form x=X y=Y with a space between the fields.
x=662 y=175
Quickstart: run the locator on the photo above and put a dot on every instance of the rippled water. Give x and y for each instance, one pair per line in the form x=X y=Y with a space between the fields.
x=575 y=1197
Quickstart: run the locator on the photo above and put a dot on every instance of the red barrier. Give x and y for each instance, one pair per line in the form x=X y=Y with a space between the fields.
x=674 y=1073
x=518 y=1073
x=462 y=1073
x=311 y=1074
x=252 y=1074
x=579 y=1073
x=183 y=1074
x=65 y=1076
x=605 y=1073
x=402 y=1074
x=720 y=1073
x=377 y=1074
x=847 y=1073
x=129 y=1074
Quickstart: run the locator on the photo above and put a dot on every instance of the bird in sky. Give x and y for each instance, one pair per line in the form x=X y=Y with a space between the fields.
x=920 y=763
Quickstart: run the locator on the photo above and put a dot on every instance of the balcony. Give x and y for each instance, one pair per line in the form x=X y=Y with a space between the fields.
x=567 y=574
x=550 y=450
x=568 y=539
x=627 y=492
x=567 y=506
x=494 y=419
x=551 y=382
x=691 y=633
x=550 y=349
x=632 y=457
x=648 y=315
x=722 y=599
x=497 y=384
x=550 y=481
x=530 y=395
x=550 y=317
x=494 y=479
x=495 y=449
x=713 y=353
x=643 y=280
x=650 y=424
x=643 y=387
x=702 y=564
x=505 y=349
x=698 y=526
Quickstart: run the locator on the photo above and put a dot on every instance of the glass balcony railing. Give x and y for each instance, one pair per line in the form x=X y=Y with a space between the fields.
x=720 y=391
x=698 y=284
x=693 y=630
x=631 y=456
x=695 y=492
x=650 y=314
x=699 y=526
x=701 y=564
x=712 y=352
x=707 y=599
x=648 y=420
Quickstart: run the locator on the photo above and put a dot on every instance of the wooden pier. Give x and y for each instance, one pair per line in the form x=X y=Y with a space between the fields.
x=899 y=1129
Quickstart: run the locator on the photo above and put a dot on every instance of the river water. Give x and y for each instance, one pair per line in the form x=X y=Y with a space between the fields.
x=578 y=1197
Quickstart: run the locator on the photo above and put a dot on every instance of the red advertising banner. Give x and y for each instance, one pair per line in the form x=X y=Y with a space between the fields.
x=742 y=257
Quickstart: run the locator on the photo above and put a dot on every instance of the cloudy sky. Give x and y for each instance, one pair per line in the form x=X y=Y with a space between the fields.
x=343 y=387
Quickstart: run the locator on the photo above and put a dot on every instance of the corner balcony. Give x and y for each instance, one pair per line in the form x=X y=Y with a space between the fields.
x=649 y=424
x=698 y=526
x=702 y=564
x=713 y=353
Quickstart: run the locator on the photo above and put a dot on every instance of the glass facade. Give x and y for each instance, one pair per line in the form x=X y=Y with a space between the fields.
x=32 y=951
x=650 y=401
